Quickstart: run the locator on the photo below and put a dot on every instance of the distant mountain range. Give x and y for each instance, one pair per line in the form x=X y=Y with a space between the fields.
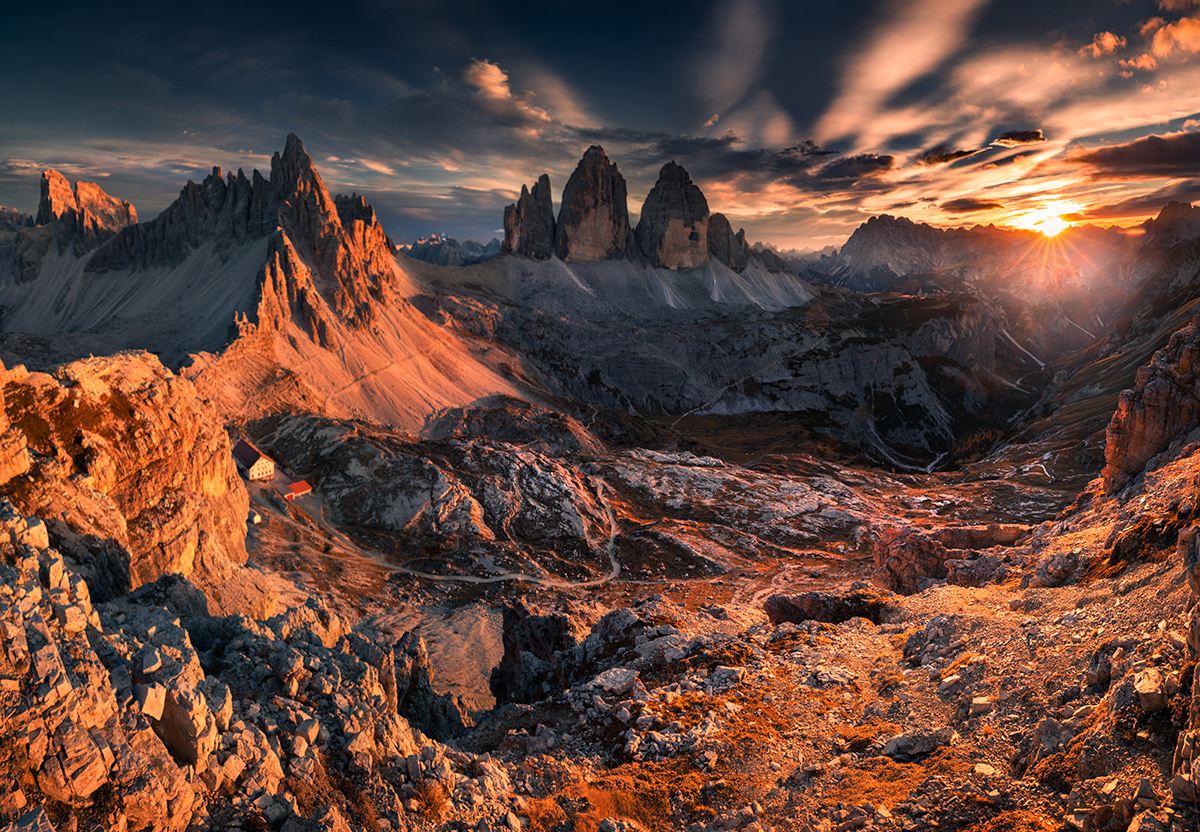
x=447 y=251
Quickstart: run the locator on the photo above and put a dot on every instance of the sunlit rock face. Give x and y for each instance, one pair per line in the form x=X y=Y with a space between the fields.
x=132 y=472
x=57 y=197
x=529 y=224
x=593 y=222
x=86 y=215
x=1162 y=406
x=724 y=245
x=673 y=229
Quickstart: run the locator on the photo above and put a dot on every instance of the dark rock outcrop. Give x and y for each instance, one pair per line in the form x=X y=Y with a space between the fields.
x=529 y=224
x=593 y=221
x=511 y=420
x=724 y=245
x=1176 y=223
x=441 y=716
x=13 y=220
x=673 y=229
x=530 y=666
x=770 y=261
x=1163 y=405
x=827 y=607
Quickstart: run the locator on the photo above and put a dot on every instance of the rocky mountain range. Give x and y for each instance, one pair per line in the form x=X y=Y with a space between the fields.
x=447 y=251
x=626 y=528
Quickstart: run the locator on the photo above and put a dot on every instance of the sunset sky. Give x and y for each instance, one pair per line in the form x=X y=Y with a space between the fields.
x=798 y=119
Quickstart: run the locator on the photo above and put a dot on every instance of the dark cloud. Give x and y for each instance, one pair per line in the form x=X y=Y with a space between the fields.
x=942 y=154
x=1187 y=190
x=852 y=173
x=967 y=205
x=1014 y=138
x=1173 y=156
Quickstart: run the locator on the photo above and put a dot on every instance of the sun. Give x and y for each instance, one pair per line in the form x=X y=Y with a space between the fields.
x=1051 y=226
x=1047 y=221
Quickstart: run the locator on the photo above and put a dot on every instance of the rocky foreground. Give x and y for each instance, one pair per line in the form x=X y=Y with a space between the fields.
x=1020 y=675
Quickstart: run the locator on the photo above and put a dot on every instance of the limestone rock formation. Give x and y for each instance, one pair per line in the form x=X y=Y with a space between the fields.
x=1163 y=405
x=593 y=220
x=903 y=246
x=86 y=214
x=475 y=493
x=1176 y=223
x=447 y=251
x=529 y=224
x=57 y=197
x=441 y=716
x=724 y=245
x=133 y=473
x=673 y=229
x=13 y=220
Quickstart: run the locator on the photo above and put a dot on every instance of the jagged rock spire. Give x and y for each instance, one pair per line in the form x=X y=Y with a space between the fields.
x=593 y=222
x=673 y=229
x=529 y=224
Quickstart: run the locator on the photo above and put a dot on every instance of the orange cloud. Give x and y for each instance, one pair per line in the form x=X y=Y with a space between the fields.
x=905 y=47
x=1178 y=5
x=1145 y=61
x=1104 y=43
x=491 y=80
x=1182 y=34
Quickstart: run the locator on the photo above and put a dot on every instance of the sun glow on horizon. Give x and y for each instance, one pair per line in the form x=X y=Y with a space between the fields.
x=1047 y=220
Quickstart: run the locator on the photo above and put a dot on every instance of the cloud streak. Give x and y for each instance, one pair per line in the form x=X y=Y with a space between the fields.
x=912 y=40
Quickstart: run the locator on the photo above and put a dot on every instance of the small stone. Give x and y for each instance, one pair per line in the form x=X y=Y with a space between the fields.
x=980 y=705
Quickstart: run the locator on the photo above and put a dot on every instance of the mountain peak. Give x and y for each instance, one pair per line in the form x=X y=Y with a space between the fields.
x=673 y=229
x=593 y=222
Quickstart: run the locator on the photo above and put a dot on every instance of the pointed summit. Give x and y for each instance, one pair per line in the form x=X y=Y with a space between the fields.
x=57 y=197
x=529 y=224
x=593 y=222
x=673 y=229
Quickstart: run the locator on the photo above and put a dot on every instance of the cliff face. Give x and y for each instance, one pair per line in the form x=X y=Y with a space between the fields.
x=529 y=224
x=1162 y=406
x=133 y=473
x=593 y=222
x=87 y=216
x=724 y=245
x=673 y=229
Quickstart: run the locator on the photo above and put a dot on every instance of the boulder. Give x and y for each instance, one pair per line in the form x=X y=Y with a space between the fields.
x=827 y=607
x=529 y=224
x=673 y=229
x=593 y=221
x=906 y=560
